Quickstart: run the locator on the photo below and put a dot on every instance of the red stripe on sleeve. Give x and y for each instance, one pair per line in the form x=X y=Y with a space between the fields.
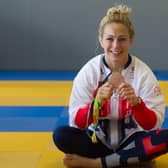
x=144 y=116
x=81 y=117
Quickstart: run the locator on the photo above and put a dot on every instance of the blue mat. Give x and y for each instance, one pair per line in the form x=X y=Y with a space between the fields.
x=55 y=75
x=37 y=118
x=37 y=75
x=30 y=118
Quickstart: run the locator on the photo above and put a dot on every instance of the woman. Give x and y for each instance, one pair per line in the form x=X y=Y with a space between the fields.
x=116 y=107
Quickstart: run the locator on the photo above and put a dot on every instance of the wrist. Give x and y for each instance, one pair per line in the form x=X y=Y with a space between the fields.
x=137 y=101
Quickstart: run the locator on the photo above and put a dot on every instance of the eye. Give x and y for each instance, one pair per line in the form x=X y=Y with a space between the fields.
x=122 y=39
x=110 y=39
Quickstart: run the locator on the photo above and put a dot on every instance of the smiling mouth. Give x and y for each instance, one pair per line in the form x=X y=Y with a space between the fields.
x=115 y=53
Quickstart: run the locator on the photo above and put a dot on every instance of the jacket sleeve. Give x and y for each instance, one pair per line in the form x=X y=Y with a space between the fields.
x=144 y=116
x=149 y=114
x=82 y=96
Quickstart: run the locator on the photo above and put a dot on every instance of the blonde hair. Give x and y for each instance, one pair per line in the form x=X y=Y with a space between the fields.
x=118 y=14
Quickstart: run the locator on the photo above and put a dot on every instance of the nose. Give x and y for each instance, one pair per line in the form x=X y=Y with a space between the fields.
x=115 y=43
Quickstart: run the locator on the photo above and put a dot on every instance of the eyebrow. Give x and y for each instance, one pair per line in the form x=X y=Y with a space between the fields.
x=124 y=35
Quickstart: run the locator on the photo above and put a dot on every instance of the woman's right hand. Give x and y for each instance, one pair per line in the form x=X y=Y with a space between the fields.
x=105 y=92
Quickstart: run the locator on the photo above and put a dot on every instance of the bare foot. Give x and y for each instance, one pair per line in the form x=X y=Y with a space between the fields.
x=76 y=161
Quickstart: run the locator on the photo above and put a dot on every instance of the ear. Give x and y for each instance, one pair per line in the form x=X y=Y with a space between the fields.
x=131 y=41
x=100 y=41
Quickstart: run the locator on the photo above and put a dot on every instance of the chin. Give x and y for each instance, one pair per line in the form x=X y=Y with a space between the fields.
x=115 y=58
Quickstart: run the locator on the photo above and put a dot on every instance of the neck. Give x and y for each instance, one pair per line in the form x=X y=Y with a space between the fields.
x=118 y=66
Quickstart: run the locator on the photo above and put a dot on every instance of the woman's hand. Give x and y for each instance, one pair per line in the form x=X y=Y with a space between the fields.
x=104 y=92
x=126 y=91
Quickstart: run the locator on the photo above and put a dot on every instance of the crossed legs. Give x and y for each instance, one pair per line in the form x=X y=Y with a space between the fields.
x=81 y=152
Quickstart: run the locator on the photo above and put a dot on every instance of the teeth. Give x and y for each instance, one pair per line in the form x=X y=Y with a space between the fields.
x=115 y=52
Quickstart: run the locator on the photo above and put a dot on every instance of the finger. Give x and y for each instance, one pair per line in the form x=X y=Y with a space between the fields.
x=123 y=84
x=127 y=93
x=123 y=92
x=106 y=90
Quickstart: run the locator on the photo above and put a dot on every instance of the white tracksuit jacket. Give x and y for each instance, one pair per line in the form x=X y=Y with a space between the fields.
x=114 y=131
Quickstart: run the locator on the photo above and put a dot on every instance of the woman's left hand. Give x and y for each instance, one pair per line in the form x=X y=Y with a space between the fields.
x=126 y=91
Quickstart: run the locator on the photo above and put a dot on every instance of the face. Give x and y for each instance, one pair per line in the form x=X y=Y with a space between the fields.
x=116 y=42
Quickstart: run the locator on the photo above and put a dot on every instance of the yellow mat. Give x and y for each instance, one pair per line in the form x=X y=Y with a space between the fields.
x=19 y=159
x=164 y=89
x=36 y=150
x=44 y=93
x=38 y=93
